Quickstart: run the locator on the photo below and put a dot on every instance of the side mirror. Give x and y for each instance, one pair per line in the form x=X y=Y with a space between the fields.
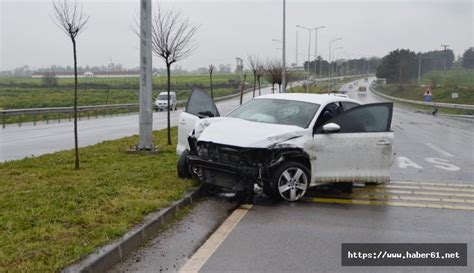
x=331 y=128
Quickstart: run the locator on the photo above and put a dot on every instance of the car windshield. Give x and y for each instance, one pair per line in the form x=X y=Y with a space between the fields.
x=277 y=111
x=162 y=97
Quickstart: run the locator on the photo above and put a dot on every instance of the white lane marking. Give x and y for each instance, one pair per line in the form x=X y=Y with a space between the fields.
x=442 y=164
x=404 y=162
x=194 y=264
x=439 y=150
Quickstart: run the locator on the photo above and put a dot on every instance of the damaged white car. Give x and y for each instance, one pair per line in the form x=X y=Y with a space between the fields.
x=285 y=143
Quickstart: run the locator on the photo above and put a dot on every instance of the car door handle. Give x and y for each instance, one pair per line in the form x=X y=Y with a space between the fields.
x=383 y=143
x=183 y=122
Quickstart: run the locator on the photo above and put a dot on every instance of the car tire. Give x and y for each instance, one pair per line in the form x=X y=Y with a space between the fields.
x=293 y=189
x=184 y=170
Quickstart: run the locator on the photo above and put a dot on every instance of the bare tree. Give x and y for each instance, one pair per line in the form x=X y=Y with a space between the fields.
x=260 y=73
x=253 y=62
x=211 y=70
x=274 y=72
x=172 y=40
x=69 y=17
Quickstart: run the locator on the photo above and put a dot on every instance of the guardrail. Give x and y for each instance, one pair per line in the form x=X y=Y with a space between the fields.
x=425 y=103
x=58 y=113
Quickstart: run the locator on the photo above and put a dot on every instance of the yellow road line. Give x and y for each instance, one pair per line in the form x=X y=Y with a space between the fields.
x=433 y=184
x=199 y=258
x=426 y=188
x=420 y=192
x=382 y=197
x=390 y=203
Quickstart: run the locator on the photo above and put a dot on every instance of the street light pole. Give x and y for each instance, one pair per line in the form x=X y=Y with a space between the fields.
x=316 y=49
x=329 y=53
x=283 y=77
x=145 y=128
x=309 y=52
x=335 y=64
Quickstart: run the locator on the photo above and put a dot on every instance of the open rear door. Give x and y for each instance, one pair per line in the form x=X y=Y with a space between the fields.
x=199 y=105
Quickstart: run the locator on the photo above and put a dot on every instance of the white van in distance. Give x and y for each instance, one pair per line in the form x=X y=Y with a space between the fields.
x=161 y=101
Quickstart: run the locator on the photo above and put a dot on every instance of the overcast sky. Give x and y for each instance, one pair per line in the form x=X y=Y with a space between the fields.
x=230 y=29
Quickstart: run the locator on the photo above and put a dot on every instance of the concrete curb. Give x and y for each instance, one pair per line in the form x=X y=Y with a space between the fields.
x=107 y=256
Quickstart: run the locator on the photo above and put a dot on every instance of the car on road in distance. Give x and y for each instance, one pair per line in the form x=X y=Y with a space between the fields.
x=282 y=144
x=342 y=91
x=161 y=102
x=362 y=90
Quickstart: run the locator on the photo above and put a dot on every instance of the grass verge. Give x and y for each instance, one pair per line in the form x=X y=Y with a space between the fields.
x=52 y=215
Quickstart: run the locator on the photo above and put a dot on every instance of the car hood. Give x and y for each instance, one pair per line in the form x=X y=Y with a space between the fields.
x=243 y=133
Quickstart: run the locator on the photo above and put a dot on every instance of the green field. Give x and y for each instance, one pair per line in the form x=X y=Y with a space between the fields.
x=52 y=215
x=16 y=93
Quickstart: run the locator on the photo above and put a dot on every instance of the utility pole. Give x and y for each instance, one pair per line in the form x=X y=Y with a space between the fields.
x=145 y=141
x=283 y=77
x=419 y=69
x=445 y=57
x=296 y=53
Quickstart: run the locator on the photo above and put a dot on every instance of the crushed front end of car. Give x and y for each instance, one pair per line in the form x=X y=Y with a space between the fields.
x=236 y=168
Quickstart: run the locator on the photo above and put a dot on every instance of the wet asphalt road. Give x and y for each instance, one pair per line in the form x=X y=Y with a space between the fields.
x=430 y=200
x=307 y=237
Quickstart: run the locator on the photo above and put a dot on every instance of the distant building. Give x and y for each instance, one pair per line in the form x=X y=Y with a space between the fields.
x=89 y=74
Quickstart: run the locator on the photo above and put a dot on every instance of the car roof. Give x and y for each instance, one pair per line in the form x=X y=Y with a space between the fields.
x=321 y=99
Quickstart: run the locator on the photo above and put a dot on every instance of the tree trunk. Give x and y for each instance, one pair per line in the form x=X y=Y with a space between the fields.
x=273 y=88
x=76 y=144
x=210 y=77
x=279 y=88
x=259 y=87
x=254 y=83
x=169 y=90
x=242 y=91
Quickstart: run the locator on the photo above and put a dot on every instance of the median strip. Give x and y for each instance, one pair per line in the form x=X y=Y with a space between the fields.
x=52 y=215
